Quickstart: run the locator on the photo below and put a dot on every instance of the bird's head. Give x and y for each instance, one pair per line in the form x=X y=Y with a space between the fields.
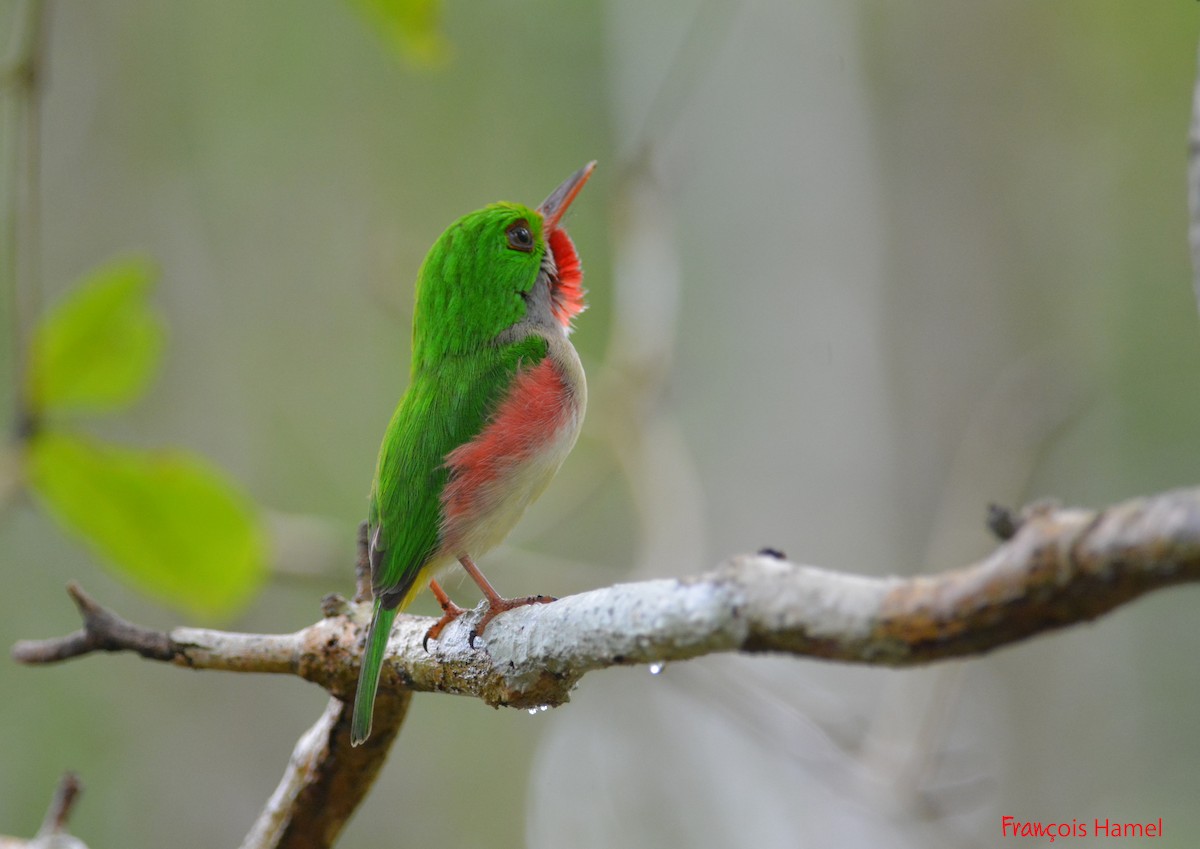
x=501 y=266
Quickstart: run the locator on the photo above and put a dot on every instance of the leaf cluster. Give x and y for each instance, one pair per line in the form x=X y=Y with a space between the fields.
x=164 y=519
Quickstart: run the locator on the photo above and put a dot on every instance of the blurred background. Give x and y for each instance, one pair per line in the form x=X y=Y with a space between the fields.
x=856 y=270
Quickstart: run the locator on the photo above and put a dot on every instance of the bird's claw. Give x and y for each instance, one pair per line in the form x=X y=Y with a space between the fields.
x=450 y=612
x=500 y=605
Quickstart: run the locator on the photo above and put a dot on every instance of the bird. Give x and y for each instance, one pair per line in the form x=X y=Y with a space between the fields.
x=495 y=402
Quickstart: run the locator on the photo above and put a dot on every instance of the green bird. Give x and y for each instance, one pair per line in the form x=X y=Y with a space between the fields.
x=494 y=405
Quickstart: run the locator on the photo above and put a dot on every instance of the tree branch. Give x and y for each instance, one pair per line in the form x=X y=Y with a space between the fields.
x=103 y=630
x=1193 y=180
x=53 y=833
x=326 y=779
x=69 y=788
x=1060 y=567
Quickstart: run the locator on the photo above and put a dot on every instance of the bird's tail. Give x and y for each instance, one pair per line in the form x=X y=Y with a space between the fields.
x=368 y=674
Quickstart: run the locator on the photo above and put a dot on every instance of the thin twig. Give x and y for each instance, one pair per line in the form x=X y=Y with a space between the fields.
x=54 y=826
x=103 y=630
x=1194 y=181
x=24 y=77
x=69 y=788
x=362 y=567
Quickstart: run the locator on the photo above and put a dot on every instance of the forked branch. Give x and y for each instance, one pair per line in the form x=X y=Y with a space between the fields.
x=1060 y=567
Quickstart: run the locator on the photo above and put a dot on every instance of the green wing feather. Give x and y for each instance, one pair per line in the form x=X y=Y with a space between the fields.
x=438 y=413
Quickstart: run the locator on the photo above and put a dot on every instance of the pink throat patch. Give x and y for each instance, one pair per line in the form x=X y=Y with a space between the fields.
x=566 y=294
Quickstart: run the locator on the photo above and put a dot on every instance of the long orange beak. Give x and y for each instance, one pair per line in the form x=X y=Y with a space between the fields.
x=553 y=207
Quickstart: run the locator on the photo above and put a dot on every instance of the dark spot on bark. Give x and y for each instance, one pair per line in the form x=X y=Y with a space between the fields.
x=772 y=552
x=1002 y=521
x=333 y=605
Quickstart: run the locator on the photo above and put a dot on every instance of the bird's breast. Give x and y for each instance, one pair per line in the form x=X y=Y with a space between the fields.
x=495 y=476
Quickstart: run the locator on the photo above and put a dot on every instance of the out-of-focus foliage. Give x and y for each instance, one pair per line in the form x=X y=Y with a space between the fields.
x=410 y=27
x=167 y=519
x=99 y=349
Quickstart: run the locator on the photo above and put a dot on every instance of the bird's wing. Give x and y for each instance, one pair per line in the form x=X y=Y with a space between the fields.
x=442 y=409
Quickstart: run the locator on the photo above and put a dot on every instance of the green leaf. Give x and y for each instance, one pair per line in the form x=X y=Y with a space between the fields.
x=169 y=522
x=99 y=348
x=410 y=27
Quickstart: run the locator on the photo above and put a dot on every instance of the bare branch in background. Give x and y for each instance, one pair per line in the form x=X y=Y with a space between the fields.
x=20 y=240
x=53 y=833
x=69 y=788
x=1194 y=182
x=103 y=630
x=326 y=778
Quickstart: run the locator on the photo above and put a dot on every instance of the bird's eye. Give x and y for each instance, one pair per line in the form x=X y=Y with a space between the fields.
x=519 y=237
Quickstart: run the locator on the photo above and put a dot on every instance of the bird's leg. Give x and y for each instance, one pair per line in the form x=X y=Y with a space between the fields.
x=450 y=612
x=496 y=604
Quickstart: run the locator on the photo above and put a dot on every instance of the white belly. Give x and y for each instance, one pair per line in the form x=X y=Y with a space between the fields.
x=505 y=501
x=496 y=478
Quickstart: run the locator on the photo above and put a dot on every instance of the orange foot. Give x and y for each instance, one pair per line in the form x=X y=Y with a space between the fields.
x=450 y=612
x=498 y=605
